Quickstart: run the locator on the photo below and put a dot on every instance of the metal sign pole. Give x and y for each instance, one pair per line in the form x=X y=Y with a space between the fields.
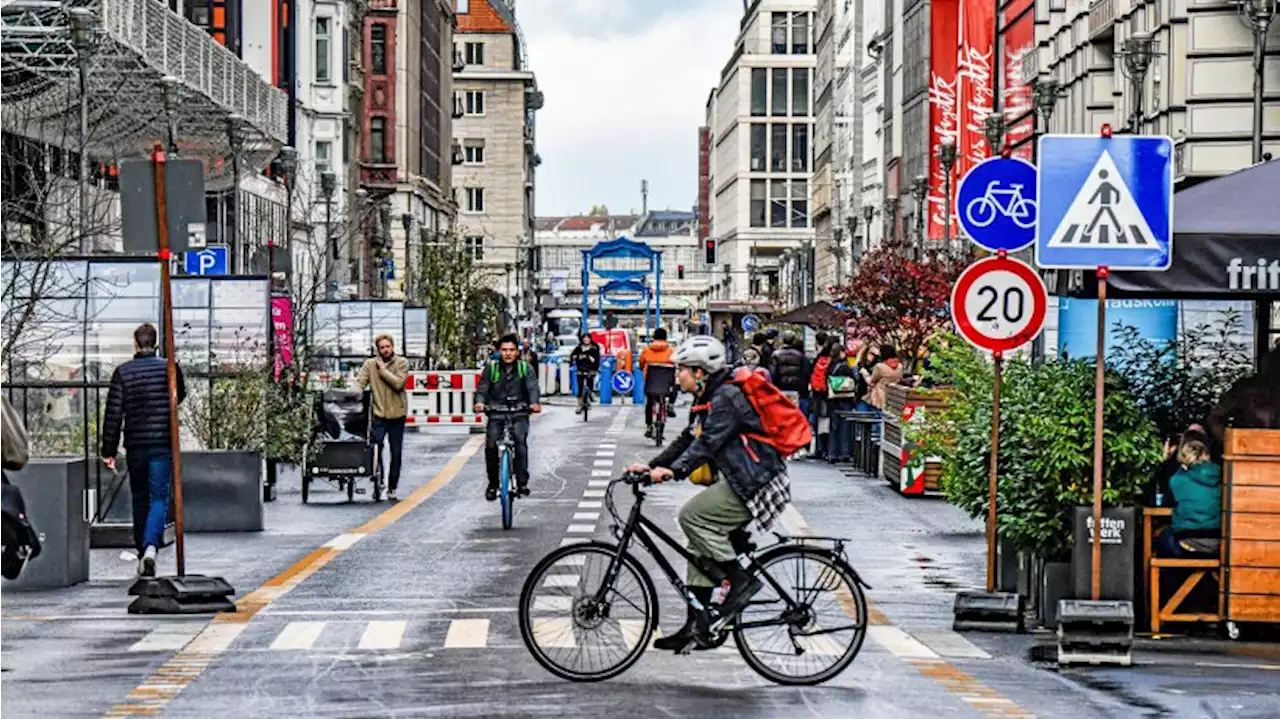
x=171 y=360
x=1098 y=398
x=991 y=484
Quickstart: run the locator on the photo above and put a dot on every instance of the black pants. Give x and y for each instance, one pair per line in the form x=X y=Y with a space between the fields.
x=393 y=431
x=520 y=434
x=651 y=403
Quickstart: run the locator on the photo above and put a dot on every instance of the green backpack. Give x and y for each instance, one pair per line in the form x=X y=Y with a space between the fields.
x=522 y=369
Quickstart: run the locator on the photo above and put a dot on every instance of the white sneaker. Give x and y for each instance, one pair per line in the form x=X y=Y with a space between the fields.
x=391 y=495
x=148 y=562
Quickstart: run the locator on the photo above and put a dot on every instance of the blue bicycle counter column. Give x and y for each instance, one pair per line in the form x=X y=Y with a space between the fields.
x=606 y=378
x=637 y=392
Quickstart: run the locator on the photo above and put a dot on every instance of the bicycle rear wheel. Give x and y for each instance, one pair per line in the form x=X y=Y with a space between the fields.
x=814 y=641
x=504 y=487
x=571 y=634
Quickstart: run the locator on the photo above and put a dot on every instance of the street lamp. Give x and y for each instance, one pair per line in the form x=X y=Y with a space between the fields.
x=84 y=39
x=287 y=161
x=235 y=139
x=993 y=131
x=1259 y=15
x=1136 y=52
x=868 y=214
x=947 y=157
x=920 y=191
x=171 y=88
x=328 y=184
x=891 y=216
x=406 y=221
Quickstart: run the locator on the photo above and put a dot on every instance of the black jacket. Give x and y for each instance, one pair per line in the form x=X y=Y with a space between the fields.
x=509 y=391
x=725 y=414
x=788 y=368
x=586 y=359
x=138 y=401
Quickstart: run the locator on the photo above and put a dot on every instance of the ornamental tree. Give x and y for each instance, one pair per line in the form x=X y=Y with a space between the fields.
x=898 y=299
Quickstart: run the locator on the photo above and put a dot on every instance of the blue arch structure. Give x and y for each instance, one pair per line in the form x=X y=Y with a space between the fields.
x=623 y=280
x=629 y=286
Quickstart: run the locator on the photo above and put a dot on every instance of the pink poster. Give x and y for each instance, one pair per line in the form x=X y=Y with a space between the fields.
x=945 y=112
x=282 y=326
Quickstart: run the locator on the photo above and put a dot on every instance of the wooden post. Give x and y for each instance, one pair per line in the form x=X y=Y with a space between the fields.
x=170 y=355
x=991 y=485
x=1099 y=396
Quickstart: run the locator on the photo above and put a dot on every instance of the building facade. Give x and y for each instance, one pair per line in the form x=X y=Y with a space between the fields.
x=761 y=158
x=497 y=99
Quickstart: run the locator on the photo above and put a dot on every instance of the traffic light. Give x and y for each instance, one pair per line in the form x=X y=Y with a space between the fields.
x=679 y=272
x=711 y=252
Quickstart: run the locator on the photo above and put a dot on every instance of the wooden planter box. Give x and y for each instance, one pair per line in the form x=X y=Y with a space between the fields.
x=1251 y=499
x=900 y=463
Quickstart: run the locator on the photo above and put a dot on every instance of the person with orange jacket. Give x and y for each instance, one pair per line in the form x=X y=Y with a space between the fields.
x=658 y=353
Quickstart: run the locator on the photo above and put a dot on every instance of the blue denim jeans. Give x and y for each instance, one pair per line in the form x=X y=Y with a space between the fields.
x=151 y=483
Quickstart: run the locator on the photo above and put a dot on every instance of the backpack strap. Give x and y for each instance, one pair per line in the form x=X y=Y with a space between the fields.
x=522 y=369
x=493 y=372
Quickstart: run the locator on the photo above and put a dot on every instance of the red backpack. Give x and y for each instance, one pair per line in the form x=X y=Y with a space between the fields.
x=786 y=429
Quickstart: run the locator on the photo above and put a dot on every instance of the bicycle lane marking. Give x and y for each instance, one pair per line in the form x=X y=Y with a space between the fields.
x=981 y=698
x=157 y=691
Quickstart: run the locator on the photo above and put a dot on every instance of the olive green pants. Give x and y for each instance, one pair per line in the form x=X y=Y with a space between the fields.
x=706 y=521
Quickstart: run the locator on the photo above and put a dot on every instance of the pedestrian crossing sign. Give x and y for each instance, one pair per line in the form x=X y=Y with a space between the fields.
x=1105 y=202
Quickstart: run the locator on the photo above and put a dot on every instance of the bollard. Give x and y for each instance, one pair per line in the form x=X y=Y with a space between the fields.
x=566 y=378
x=573 y=380
x=637 y=392
x=606 y=379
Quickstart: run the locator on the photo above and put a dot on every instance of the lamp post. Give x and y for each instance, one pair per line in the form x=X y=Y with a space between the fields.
x=235 y=139
x=947 y=157
x=1136 y=53
x=288 y=161
x=357 y=231
x=172 y=91
x=1259 y=14
x=993 y=132
x=868 y=214
x=406 y=221
x=328 y=184
x=920 y=191
x=891 y=216
x=84 y=39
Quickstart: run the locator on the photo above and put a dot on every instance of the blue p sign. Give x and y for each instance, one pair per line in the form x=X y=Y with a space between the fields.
x=212 y=260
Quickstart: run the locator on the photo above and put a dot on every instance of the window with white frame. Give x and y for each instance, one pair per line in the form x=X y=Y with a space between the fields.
x=473 y=102
x=475 y=246
x=475 y=200
x=324 y=44
x=324 y=154
x=473 y=53
x=473 y=152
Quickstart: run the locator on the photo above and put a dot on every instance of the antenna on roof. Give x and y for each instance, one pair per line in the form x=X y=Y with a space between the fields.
x=644 y=197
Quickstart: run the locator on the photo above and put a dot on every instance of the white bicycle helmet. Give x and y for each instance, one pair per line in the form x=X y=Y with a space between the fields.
x=702 y=351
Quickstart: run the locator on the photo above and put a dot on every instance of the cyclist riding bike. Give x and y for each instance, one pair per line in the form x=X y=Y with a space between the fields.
x=658 y=384
x=508 y=392
x=748 y=477
x=586 y=358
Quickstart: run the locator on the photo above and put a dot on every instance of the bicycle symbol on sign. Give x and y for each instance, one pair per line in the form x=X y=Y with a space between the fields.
x=1008 y=202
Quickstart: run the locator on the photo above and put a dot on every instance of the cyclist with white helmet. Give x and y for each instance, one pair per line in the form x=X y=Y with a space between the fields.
x=747 y=477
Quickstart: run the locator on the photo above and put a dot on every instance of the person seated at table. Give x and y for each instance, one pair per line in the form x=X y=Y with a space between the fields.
x=1196 y=487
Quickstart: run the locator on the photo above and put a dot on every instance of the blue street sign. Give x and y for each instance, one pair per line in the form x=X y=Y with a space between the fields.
x=996 y=204
x=623 y=382
x=750 y=323
x=212 y=260
x=1105 y=202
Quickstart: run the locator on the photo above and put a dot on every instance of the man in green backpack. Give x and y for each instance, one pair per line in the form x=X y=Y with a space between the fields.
x=508 y=392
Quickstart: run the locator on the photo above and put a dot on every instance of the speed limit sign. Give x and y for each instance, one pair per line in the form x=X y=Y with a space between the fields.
x=999 y=303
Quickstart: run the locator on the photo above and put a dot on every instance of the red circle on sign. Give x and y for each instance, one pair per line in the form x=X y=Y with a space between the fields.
x=965 y=284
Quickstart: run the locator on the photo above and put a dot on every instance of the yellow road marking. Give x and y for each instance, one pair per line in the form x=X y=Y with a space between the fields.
x=186 y=666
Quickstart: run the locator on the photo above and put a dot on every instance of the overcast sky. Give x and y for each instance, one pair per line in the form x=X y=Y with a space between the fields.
x=626 y=84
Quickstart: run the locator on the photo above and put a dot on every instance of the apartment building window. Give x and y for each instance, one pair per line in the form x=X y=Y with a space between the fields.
x=800 y=33
x=475 y=246
x=473 y=53
x=915 y=67
x=475 y=200
x=777 y=203
x=799 y=203
x=778 y=149
x=473 y=102
x=473 y=152
x=789 y=33
x=378 y=139
x=378 y=48
x=324 y=153
x=462 y=7
x=758 y=203
x=800 y=90
x=779 y=101
x=800 y=148
x=759 y=137
x=779 y=33
x=324 y=43
x=759 y=88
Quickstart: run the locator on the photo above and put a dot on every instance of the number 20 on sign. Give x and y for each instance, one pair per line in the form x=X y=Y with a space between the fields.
x=999 y=304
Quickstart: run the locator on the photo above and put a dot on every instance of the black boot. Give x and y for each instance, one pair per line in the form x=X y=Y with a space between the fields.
x=685 y=635
x=742 y=586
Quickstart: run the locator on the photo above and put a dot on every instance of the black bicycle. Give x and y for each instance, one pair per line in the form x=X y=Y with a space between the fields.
x=588 y=611
x=586 y=380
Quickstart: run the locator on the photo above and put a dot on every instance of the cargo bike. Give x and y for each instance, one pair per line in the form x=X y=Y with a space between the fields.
x=340 y=450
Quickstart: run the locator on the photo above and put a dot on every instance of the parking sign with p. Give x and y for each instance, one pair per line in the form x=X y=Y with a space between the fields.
x=212 y=260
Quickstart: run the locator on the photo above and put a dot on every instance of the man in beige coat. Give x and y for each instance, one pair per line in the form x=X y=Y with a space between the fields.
x=385 y=374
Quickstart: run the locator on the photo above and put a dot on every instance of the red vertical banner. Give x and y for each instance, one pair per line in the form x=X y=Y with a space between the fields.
x=945 y=116
x=1019 y=40
x=976 y=72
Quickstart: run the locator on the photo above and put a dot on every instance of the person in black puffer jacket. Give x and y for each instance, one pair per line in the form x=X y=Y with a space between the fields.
x=789 y=366
x=138 y=404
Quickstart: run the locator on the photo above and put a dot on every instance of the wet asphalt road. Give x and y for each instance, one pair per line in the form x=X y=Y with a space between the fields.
x=367 y=610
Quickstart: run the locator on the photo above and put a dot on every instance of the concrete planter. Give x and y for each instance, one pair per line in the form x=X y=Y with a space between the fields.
x=1055 y=585
x=222 y=491
x=54 y=492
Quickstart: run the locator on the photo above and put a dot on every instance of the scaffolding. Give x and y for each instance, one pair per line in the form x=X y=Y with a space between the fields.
x=135 y=44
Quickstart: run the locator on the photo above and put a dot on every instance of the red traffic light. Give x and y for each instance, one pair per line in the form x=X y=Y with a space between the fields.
x=680 y=272
x=711 y=252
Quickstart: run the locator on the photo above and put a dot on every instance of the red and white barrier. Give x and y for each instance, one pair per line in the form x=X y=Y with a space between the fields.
x=442 y=398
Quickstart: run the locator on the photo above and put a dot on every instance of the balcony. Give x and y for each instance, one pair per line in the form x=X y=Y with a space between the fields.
x=1102 y=18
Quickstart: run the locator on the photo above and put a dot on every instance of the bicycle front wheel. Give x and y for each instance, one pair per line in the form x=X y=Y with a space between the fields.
x=571 y=633
x=819 y=634
x=504 y=487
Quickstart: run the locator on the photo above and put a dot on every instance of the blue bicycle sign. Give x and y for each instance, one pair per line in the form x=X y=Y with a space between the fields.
x=996 y=204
